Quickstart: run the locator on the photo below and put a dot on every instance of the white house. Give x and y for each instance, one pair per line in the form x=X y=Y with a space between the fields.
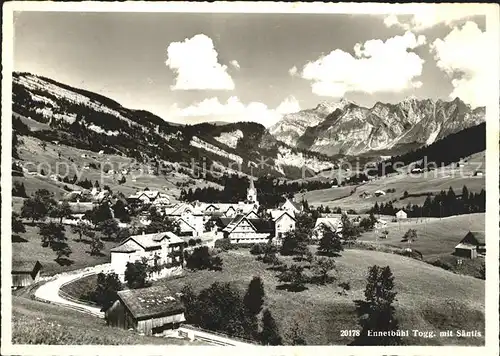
x=334 y=224
x=401 y=214
x=291 y=206
x=161 y=249
x=284 y=222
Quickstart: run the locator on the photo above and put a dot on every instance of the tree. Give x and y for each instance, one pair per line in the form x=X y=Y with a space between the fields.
x=61 y=211
x=322 y=266
x=295 y=335
x=38 y=206
x=136 y=274
x=120 y=211
x=294 y=277
x=17 y=224
x=330 y=243
x=350 y=232
x=254 y=297
x=53 y=236
x=99 y=214
x=96 y=245
x=108 y=228
x=201 y=259
x=377 y=313
x=270 y=333
x=410 y=236
x=482 y=271
x=106 y=292
x=190 y=301
x=82 y=229
x=221 y=308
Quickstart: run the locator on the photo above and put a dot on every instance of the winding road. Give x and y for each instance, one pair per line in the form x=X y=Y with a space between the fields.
x=50 y=291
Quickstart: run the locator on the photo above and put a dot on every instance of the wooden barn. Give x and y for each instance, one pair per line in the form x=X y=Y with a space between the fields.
x=472 y=245
x=149 y=311
x=25 y=273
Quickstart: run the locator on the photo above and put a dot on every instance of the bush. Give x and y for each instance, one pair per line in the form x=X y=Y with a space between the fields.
x=224 y=244
x=258 y=249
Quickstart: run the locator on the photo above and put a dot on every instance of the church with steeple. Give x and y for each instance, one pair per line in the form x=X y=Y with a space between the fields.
x=252 y=193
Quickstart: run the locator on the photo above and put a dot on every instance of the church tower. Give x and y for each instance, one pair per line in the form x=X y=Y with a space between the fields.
x=252 y=193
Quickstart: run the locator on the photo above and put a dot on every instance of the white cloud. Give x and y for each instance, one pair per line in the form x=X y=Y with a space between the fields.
x=234 y=110
x=464 y=56
x=376 y=66
x=293 y=71
x=196 y=65
x=428 y=16
x=235 y=64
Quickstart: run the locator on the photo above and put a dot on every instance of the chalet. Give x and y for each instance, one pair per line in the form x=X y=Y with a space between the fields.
x=25 y=273
x=291 y=206
x=162 y=250
x=401 y=214
x=149 y=197
x=284 y=222
x=242 y=230
x=149 y=311
x=190 y=217
x=416 y=170
x=478 y=173
x=472 y=245
x=379 y=193
x=333 y=224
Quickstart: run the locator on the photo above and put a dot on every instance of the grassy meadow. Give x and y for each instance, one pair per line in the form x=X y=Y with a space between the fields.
x=429 y=298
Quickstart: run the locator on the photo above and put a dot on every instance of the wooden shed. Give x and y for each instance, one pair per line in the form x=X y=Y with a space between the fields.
x=25 y=273
x=149 y=311
x=472 y=245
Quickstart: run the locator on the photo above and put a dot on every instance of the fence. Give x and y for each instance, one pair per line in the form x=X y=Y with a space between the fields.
x=223 y=336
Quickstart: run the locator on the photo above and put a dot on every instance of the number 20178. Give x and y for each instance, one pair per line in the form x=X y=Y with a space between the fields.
x=349 y=333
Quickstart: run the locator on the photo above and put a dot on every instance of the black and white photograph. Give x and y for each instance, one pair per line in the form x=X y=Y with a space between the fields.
x=239 y=175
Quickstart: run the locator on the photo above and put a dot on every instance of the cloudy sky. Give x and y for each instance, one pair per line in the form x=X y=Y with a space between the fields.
x=229 y=67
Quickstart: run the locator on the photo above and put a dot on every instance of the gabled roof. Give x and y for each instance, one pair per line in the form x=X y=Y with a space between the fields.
x=25 y=266
x=148 y=241
x=259 y=225
x=152 y=302
x=331 y=223
x=277 y=214
x=296 y=205
x=473 y=237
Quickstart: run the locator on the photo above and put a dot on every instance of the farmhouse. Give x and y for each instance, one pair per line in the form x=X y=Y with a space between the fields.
x=149 y=311
x=242 y=230
x=284 y=222
x=472 y=245
x=25 y=273
x=291 y=206
x=148 y=197
x=162 y=250
x=333 y=224
x=401 y=214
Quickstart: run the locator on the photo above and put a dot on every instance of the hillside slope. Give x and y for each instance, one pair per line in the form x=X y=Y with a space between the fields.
x=55 y=112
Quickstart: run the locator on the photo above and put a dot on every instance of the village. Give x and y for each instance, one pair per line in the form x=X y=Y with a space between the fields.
x=194 y=225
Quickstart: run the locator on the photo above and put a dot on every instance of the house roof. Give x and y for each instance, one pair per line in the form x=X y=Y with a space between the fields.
x=262 y=225
x=25 y=266
x=478 y=235
x=147 y=241
x=465 y=246
x=331 y=223
x=152 y=302
x=129 y=246
x=296 y=205
x=277 y=214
